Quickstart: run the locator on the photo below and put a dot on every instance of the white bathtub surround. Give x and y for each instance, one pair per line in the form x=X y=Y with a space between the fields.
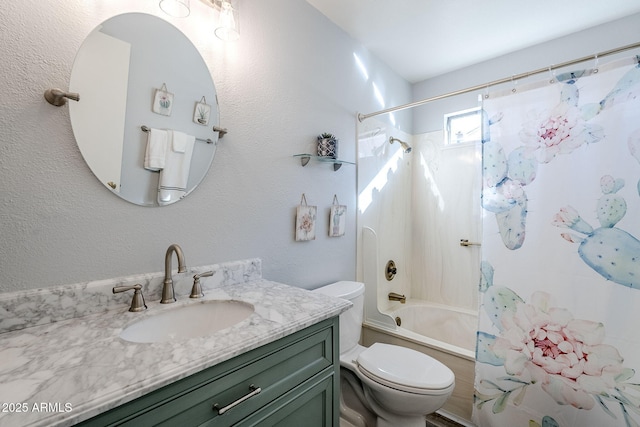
x=446 y=184
x=420 y=205
x=82 y=366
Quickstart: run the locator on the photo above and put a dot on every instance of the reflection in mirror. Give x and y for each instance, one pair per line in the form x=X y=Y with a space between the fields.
x=119 y=71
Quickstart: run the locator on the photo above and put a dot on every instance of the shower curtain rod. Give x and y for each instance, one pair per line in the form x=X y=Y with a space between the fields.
x=362 y=117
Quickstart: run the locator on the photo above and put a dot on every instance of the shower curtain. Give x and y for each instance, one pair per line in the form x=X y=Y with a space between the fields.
x=559 y=341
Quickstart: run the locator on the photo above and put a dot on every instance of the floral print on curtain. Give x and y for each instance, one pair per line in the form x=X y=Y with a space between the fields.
x=557 y=341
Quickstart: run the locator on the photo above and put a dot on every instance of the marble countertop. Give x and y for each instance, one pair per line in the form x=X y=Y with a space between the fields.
x=64 y=372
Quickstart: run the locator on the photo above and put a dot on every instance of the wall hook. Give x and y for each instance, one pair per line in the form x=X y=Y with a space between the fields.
x=58 y=98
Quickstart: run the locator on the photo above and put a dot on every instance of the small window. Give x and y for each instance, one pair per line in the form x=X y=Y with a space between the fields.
x=462 y=126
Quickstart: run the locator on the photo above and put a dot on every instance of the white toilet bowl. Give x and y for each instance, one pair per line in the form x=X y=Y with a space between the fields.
x=397 y=385
x=401 y=385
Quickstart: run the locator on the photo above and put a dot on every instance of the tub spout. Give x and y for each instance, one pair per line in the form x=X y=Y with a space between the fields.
x=397 y=297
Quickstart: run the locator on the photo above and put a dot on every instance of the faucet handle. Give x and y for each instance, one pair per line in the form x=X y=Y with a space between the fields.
x=196 y=290
x=137 y=303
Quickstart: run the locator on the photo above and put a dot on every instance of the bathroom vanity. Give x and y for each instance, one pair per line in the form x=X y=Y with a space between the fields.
x=280 y=366
x=290 y=382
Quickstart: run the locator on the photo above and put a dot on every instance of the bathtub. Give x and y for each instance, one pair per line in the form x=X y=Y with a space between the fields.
x=449 y=328
x=447 y=334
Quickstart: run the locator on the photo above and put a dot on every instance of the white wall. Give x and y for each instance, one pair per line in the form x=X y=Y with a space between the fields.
x=291 y=76
x=578 y=45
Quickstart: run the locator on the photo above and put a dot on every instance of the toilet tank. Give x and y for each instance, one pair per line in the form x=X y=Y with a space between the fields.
x=350 y=320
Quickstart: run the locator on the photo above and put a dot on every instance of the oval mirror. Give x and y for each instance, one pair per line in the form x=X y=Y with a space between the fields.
x=133 y=72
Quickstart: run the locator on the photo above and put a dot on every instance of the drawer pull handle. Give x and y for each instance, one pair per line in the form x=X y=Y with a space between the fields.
x=253 y=391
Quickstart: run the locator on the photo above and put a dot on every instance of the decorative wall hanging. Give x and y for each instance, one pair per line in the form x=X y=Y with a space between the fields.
x=162 y=101
x=305 y=221
x=327 y=145
x=337 y=218
x=202 y=112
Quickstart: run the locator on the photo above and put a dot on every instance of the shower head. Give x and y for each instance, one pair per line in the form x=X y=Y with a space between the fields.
x=406 y=147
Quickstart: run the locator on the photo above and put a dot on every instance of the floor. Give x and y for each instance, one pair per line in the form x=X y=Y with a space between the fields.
x=433 y=420
x=437 y=420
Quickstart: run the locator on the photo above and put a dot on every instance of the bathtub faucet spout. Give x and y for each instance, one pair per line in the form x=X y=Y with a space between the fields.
x=397 y=297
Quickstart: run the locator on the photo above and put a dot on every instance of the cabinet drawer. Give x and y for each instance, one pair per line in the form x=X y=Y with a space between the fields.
x=276 y=368
x=275 y=374
x=308 y=405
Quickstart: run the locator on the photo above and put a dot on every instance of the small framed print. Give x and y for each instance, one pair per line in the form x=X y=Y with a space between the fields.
x=202 y=112
x=162 y=101
x=337 y=219
x=305 y=221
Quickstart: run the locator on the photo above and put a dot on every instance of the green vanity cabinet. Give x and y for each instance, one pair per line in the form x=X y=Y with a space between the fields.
x=298 y=377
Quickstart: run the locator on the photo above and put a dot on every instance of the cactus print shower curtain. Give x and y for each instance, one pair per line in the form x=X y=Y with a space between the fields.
x=559 y=332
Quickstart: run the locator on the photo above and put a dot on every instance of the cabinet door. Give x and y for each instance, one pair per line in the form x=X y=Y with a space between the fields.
x=309 y=405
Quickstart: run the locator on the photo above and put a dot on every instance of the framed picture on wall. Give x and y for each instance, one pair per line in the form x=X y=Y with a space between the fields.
x=202 y=112
x=337 y=219
x=305 y=221
x=162 y=101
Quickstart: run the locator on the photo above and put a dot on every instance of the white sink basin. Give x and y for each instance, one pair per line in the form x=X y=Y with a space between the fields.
x=188 y=321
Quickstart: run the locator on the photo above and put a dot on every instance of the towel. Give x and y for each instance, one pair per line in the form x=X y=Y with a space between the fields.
x=154 y=157
x=175 y=175
x=179 y=143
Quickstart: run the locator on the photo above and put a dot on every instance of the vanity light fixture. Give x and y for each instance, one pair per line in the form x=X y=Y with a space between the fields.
x=227 y=28
x=175 y=8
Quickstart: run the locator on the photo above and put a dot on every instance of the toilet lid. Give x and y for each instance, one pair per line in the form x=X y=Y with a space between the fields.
x=404 y=367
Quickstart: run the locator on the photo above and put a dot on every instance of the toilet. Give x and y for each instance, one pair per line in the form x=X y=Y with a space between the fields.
x=384 y=385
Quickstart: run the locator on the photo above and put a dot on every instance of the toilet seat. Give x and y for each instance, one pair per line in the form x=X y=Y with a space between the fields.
x=405 y=369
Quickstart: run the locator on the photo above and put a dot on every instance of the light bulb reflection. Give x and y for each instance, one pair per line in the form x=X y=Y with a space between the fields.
x=175 y=8
x=227 y=29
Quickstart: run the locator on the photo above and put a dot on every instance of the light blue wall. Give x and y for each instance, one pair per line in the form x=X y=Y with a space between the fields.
x=291 y=76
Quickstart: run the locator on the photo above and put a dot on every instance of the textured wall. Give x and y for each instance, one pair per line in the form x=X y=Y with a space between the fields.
x=291 y=76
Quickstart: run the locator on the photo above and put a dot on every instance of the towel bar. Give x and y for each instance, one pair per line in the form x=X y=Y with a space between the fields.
x=147 y=129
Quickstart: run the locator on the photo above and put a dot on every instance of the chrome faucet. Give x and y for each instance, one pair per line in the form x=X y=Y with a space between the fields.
x=397 y=297
x=167 y=290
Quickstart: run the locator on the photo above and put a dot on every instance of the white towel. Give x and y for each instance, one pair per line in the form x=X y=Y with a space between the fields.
x=175 y=175
x=154 y=157
x=179 y=143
